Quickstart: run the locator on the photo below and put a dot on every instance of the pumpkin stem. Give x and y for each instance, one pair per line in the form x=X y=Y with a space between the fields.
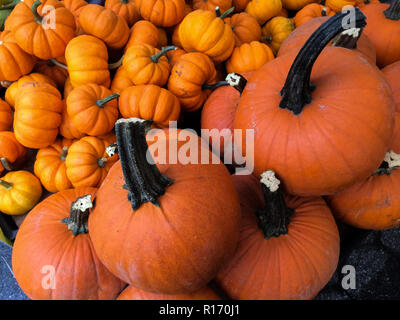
x=37 y=17
x=79 y=211
x=390 y=163
x=273 y=219
x=102 y=162
x=57 y=63
x=296 y=92
x=143 y=180
x=225 y=14
x=10 y=5
x=6 y=164
x=101 y=102
x=162 y=52
x=6 y=184
x=64 y=153
x=323 y=12
x=116 y=65
x=348 y=38
x=393 y=12
x=125 y=1
x=235 y=80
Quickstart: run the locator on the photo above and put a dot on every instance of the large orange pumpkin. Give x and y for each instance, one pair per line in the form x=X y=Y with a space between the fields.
x=37 y=116
x=164 y=218
x=288 y=248
x=53 y=256
x=319 y=135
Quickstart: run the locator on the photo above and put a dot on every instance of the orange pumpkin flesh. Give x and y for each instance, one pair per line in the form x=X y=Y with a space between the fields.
x=351 y=131
x=54 y=237
x=148 y=217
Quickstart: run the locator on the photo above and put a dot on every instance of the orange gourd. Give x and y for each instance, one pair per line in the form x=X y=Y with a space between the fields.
x=6 y=116
x=245 y=28
x=12 y=153
x=162 y=13
x=126 y=9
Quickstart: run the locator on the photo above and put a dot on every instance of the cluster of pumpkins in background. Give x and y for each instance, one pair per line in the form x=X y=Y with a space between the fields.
x=84 y=92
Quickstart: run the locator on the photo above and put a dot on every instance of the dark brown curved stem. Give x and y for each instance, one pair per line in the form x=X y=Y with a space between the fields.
x=393 y=12
x=273 y=219
x=296 y=92
x=234 y=80
x=79 y=212
x=323 y=12
x=143 y=180
x=161 y=53
x=347 y=41
x=101 y=102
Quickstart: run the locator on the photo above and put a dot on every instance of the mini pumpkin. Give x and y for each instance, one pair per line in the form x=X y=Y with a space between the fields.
x=263 y=10
x=6 y=116
x=75 y=6
x=245 y=28
x=126 y=9
x=149 y=102
x=12 y=153
x=223 y=5
x=56 y=73
x=54 y=238
x=163 y=13
x=143 y=32
x=275 y=32
x=337 y=5
x=296 y=4
x=311 y=11
x=92 y=109
x=67 y=127
x=20 y=191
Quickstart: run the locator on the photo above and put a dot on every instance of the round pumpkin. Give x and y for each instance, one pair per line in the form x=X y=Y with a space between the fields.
x=245 y=28
x=33 y=34
x=88 y=162
x=109 y=27
x=57 y=74
x=6 y=116
x=20 y=191
x=275 y=32
x=132 y=293
x=162 y=13
x=53 y=257
x=337 y=5
x=249 y=57
x=121 y=80
x=67 y=127
x=143 y=32
x=37 y=117
x=223 y=5
x=319 y=135
x=15 y=61
x=50 y=166
x=75 y=6
x=174 y=55
x=311 y=11
x=191 y=79
x=87 y=61
x=156 y=218
x=126 y=9
x=293 y=237
x=92 y=109
x=383 y=29
x=12 y=153
x=263 y=10
x=149 y=102
x=296 y=4
x=211 y=36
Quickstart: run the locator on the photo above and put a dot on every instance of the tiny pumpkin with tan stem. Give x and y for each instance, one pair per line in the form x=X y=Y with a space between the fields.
x=276 y=31
x=12 y=153
x=147 y=65
x=55 y=233
x=245 y=28
x=93 y=109
x=50 y=166
x=20 y=191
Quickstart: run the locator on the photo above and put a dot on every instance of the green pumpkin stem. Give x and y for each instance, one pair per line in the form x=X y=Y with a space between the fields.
x=57 y=63
x=296 y=93
x=393 y=12
x=6 y=164
x=36 y=16
x=102 y=162
x=101 y=102
x=225 y=14
x=273 y=219
x=10 y=5
x=143 y=180
x=125 y=1
x=6 y=184
x=79 y=212
x=162 y=52
x=116 y=65
x=64 y=153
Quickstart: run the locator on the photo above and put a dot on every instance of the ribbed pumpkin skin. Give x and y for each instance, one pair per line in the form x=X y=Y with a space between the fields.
x=383 y=33
x=240 y=5
x=143 y=32
x=16 y=61
x=275 y=32
x=43 y=240
x=132 y=293
x=167 y=241
x=372 y=204
x=263 y=10
x=249 y=57
x=56 y=73
x=75 y=6
x=6 y=116
x=67 y=128
x=44 y=43
x=337 y=5
x=121 y=80
x=87 y=61
x=149 y=102
x=211 y=36
x=212 y=4
x=299 y=36
x=37 y=116
x=392 y=75
x=88 y=117
x=188 y=75
x=295 y=266
x=343 y=153
x=10 y=149
x=83 y=169
x=311 y=11
x=124 y=8
x=296 y=4
x=163 y=13
x=109 y=27
x=50 y=168
x=245 y=28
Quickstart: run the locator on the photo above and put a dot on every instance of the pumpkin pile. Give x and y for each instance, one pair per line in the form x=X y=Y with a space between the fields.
x=86 y=85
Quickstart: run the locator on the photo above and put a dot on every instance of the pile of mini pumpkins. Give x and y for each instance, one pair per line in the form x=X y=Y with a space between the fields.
x=83 y=85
